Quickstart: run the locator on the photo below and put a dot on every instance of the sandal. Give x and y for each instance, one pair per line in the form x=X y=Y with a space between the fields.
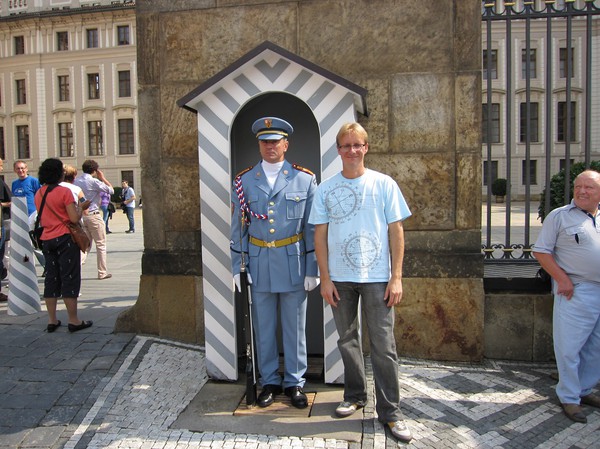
x=77 y=327
x=52 y=327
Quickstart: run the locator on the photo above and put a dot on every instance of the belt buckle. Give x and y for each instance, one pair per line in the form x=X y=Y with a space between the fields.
x=270 y=244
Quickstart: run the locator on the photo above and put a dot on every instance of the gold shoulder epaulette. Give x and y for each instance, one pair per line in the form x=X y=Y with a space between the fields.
x=246 y=170
x=300 y=168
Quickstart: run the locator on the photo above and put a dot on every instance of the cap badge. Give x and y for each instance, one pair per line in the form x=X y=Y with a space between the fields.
x=268 y=123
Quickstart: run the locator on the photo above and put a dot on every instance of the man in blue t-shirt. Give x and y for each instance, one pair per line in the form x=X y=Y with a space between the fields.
x=359 y=243
x=25 y=186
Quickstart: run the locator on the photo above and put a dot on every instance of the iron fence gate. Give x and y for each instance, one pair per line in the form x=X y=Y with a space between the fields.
x=531 y=115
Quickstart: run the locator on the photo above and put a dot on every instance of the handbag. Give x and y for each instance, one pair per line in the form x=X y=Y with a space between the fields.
x=77 y=234
x=36 y=233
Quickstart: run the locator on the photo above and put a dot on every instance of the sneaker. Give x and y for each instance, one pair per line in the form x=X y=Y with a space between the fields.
x=400 y=431
x=346 y=409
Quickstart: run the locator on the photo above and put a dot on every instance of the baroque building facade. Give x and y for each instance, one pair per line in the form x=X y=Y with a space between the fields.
x=548 y=91
x=68 y=85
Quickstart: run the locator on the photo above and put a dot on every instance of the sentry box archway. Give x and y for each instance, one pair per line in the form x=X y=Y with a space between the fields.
x=266 y=80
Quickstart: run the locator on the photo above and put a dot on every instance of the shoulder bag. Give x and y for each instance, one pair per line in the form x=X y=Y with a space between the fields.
x=36 y=234
x=77 y=234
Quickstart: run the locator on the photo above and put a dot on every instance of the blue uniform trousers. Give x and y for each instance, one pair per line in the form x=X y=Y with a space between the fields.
x=576 y=328
x=292 y=311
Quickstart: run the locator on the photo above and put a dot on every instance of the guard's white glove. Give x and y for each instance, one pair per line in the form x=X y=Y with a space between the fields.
x=238 y=283
x=311 y=282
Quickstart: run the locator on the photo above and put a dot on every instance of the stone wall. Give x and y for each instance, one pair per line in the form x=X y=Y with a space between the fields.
x=419 y=61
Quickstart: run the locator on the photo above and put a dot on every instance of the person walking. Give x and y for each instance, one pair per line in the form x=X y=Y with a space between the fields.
x=359 y=243
x=270 y=206
x=568 y=248
x=104 y=202
x=5 y=201
x=128 y=199
x=92 y=182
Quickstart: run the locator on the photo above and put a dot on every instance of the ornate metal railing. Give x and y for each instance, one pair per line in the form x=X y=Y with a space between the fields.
x=556 y=21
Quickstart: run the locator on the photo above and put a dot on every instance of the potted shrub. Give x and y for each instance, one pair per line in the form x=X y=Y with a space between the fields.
x=499 y=189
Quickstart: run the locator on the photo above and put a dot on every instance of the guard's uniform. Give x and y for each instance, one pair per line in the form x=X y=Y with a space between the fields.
x=279 y=243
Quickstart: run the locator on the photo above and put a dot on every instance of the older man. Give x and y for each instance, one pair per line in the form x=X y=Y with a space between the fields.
x=568 y=248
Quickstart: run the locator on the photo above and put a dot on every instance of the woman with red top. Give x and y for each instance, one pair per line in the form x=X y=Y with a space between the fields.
x=63 y=268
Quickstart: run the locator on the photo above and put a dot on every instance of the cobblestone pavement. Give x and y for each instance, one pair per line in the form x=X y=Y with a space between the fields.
x=95 y=389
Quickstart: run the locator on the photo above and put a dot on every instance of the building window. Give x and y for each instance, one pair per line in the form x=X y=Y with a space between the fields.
x=532 y=172
x=494 y=167
x=95 y=138
x=563 y=63
x=561 y=126
x=532 y=63
x=63 y=88
x=563 y=162
x=126 y=141
x=125 y=83
x=2 y=147
x=19 y=45
x=65 y=139
x=127 y=175
x=533 y=124
x=21 y=92
x=23 y=142
x=62 y=41
x=123 y=35
x=494 y=64
x=93 y=86
x=494 y=131
x=92 y=38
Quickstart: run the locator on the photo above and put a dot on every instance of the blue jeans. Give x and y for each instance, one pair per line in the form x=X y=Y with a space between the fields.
x=105 y=214
x=380 y=322
x=130 y=218
x=576 y=328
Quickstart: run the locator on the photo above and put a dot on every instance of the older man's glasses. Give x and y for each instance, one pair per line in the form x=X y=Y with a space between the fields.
x=354 y=146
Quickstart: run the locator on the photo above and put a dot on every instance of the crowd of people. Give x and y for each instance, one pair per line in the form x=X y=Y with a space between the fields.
x=88 y=202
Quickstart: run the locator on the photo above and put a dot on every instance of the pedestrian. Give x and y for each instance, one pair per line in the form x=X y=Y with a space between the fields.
x=104 y=202
x=63 y=277
x=128 y=199
x=93 y=182
x=5 y=199
x=26 y=186
x=568 y=248
x=274 y=198
x=359 y=243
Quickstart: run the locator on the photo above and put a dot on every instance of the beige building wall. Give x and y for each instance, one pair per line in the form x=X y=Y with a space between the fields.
x=40 y=67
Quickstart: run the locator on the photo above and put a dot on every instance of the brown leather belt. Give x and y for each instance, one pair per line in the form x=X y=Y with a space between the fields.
x=276 y=243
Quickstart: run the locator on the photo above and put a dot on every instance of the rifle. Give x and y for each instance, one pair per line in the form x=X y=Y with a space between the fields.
x=248 y=330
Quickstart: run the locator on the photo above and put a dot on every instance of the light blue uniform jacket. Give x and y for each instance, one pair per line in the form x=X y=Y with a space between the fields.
x=287 y=207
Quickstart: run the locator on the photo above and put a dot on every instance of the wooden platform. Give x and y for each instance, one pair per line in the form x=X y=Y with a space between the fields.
x=282 y=407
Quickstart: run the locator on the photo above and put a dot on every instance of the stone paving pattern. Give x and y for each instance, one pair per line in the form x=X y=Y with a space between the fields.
x=95 y=389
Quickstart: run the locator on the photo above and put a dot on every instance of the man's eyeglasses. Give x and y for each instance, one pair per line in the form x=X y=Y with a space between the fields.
x=354 y=146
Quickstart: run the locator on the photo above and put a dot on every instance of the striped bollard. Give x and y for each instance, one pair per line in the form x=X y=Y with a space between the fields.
x=24 y=294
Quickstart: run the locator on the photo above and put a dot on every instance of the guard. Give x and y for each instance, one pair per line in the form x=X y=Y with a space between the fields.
x=270 y=206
